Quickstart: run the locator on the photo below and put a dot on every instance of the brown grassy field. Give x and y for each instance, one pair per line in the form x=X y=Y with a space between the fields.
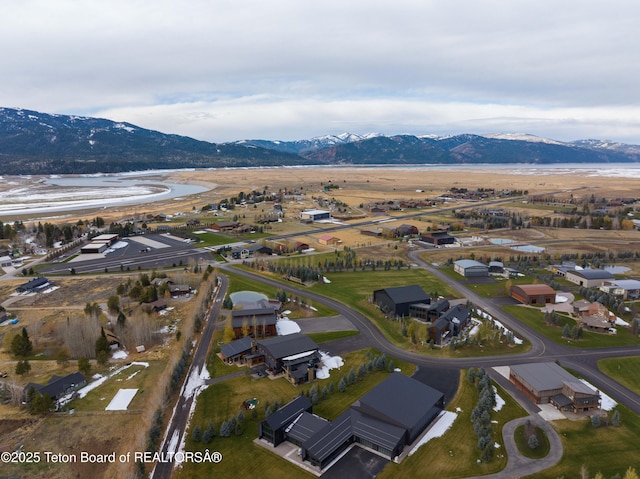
x=360 y=185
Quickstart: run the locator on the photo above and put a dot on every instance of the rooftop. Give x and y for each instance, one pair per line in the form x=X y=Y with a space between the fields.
x=548 y=375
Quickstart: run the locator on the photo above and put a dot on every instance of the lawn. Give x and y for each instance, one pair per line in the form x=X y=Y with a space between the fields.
x=331 y=335
x=222 y=401
x=213 y=239
x=624 y=370
x=607 y=449
x=133 y=377
x=457 y=448
x=533 y=317
x=240 y=283
x=522 y=441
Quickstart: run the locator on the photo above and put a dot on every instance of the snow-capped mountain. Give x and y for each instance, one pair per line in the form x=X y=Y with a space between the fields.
x=310 y=145
x=39 y=143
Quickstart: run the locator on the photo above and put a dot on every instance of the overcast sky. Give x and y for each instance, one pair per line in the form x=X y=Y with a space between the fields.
x=225 y=70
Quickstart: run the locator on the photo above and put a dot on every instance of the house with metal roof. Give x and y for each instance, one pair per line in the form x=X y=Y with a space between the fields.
x=470 y=268
x=58 y=386
x=256 y=322
x=386 y=419
x=274 y=427
x=236 y=351
x=295 y=355
x=33 y=285
x=589 y=278
x=533 y=293
x=547 y=382
x=622 y=288
x=396 y=301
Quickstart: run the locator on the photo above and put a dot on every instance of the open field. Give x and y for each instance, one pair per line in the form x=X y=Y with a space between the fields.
x=624 y=370
x=583 y=446
x=533 y=317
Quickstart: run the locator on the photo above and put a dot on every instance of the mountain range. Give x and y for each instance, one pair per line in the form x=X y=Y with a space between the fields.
x=39 y=143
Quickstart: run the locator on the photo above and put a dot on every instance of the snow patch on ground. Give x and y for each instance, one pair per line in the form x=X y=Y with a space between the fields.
x=100 y=380
x=286 y=326
x=443 y=423
x=607 y=402
x=499 y=401
x=120 y=355
x=312 y=308
x=121 y=400
x=328 y=363
x=561 y=299
x=326 y=280
x=50 y=290
x=195 y=385
x=621 y=322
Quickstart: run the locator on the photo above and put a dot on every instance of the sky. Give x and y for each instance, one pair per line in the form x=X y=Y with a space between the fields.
x=228 y=70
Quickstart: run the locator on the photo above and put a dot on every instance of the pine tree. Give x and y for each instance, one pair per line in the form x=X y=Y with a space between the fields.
x=21 y=345
x=23 y=367
x=196 y=435
x=102 y=343
x=342 y=385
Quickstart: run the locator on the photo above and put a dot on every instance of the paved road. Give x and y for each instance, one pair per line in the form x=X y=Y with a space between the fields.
x=582 y=360
x=178 y=423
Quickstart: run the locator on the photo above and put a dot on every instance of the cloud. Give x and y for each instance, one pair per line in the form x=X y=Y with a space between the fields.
x=244 y=69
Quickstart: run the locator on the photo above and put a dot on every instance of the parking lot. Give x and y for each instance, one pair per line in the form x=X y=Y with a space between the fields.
x=133 y=253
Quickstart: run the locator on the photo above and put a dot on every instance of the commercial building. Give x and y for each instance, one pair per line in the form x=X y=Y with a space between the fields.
x=470 y=268
x=588 y=278
x=310 y=216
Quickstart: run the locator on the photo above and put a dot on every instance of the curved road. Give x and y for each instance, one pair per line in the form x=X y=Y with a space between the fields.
x=583 y=361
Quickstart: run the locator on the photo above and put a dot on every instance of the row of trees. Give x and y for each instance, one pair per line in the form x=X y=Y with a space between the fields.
x=481 y=414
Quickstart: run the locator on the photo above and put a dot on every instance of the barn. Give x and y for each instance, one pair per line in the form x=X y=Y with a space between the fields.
x=533 y=293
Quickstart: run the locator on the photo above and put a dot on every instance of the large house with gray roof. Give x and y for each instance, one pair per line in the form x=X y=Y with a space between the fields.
x=588 y=278
x=387 y=419
x=547 y=382
x=396 y=301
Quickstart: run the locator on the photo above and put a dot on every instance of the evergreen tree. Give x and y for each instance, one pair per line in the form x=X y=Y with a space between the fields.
x=84 y=366
x=615 y=418
x=21 y=345
x=342 y=385
x=23 y=367
x=102 y=344
x=209 y=433
x=196 y=435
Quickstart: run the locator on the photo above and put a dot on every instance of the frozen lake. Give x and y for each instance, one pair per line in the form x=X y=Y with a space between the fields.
x=23 y=195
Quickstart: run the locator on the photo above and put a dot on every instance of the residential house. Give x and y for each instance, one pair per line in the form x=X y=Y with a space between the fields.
x=548 y=383
x=386 y=419
x=58 y=386
x=622 y=288
x=255 y=322
x=294 y=355
x=33 y=285
x=438 y=238
x=396 y=301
